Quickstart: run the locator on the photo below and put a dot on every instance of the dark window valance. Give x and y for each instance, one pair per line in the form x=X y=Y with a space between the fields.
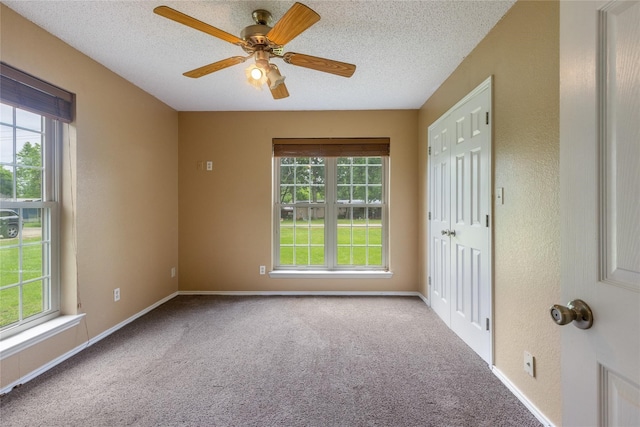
x=25 y=91
x=330 y=147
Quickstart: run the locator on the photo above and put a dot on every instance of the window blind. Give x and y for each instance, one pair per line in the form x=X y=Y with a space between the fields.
x=331 y=147
x=27 y=92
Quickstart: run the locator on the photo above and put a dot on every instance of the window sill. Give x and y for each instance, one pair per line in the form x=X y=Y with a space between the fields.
x=320 y=274
x=17 y=343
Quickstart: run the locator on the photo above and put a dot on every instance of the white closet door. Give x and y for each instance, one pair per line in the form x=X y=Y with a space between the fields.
x=460 y=206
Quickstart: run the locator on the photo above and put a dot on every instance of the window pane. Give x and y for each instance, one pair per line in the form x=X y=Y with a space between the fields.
x=302 y=194
x=6 y=182
x=29 y=183
x=317 y=194
x=344 y=194
x=286 y=255
x=317 y=255
x=344 y=175
x=302 y=174
x=302 y=255
x=28 y=120
x=286 y=193
x=375 y=256
x=9 y=269
x=359 y=175
x=374 y=175
x=302 y=235
x=6 y=114
x=358 y=193
x=29 y=148
x=33 y=299
x=9 y=306
x=344 y=255
x=32 y=261
x=374 y=194
x=287 y=174
x=6 y=144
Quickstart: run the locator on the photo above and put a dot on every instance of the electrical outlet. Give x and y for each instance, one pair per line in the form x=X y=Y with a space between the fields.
x=116 y=294
x=173 y=272
x=209 y=165
x=263 y=269
x=529 y=364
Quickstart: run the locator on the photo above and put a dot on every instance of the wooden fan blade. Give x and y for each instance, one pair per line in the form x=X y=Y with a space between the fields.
x=180 y=17
x=216 y=66
x=320 y=64
x=280 y=91
x=297 y=19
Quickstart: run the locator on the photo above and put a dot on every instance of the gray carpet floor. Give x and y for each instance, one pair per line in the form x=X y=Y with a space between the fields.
x=272 y=361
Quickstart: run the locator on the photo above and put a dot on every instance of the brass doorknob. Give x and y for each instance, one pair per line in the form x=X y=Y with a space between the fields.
x=576 y=311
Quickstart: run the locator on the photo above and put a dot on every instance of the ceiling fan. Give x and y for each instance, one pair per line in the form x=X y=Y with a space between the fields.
x=262 y=41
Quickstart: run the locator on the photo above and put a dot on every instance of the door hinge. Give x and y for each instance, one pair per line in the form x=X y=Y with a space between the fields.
x=429 y=280
x=487 y=322
x=487 y=117
x=429 y=216
x=487 y=220
x=429 y=150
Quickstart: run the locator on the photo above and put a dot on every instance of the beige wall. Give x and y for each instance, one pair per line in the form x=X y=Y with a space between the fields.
x=522 y=53
x=226 y=214
x=121 y=167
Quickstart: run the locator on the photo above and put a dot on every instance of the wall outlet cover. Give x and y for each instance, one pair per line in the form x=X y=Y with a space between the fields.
x=529 y=364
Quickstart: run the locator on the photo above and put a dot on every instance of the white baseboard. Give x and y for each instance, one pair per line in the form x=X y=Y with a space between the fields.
x=521 y=397
x=41 y=370
x=130 y=319
x=44 y=368
x=424 y=299
x=303 y=293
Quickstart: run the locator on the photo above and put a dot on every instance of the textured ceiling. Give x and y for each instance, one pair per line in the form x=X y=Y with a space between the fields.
x=403 y=50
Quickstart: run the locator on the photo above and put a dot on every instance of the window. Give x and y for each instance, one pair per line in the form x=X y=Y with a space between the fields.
x=331 y=211
x=28 y=275
x=31 y=121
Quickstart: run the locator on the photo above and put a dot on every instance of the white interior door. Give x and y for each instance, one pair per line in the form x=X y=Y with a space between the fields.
x=600 y=209
x=460 y=196
x=439 y=205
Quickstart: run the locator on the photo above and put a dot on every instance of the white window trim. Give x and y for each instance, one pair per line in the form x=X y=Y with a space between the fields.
x=36 y=334
x=330 y=274
x=331 y=269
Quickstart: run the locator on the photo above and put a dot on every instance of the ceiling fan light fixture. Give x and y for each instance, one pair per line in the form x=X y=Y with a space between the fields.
x=255 y=73
x=274 y=78
x=256 y=76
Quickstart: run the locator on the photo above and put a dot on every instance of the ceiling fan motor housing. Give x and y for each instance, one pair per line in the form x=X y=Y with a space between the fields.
x=256 y=35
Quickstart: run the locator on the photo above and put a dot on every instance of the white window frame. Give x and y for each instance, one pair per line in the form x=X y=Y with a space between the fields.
x=331 y=206
x=51 y=165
